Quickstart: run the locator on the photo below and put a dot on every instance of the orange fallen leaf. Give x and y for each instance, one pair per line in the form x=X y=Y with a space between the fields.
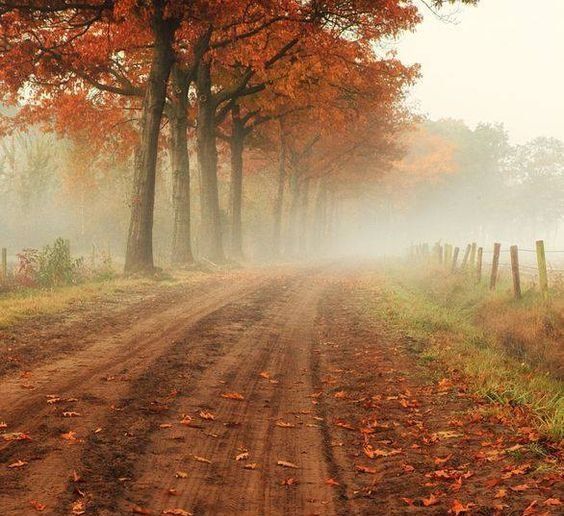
x=283 y=424
x=165 y=425
x=265 y=375
x=204 y=414
x=242 y=456
x=501 y=493
x=37 y=506
x=71 y=414
x=432 y=500
x=51 y=401
x=16 y=436
x=181 y=474
x=457 y=508
x=519 y=488
x=340 y=395
x=75 y=476
x=289 y=482
x=173 y=492
x=136 y=509
x=252 y=465
x=552 y=502
x=69 y=436
x=78 y=507
x=408 y=501
x=17 y=464
x=408 y=468
x=438 y=461
x=201 y=459
x=286 y=464
x=530 y=509
x=233 y=396
x=177 y=512
x=186 y=420
x=332 y=482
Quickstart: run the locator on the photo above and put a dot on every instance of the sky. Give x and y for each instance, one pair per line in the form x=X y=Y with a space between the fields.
x=502 y=61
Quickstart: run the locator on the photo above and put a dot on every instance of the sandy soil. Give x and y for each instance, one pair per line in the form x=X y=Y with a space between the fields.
x=254 y=392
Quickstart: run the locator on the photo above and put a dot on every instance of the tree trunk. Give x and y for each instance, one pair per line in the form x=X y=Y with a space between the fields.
x=211 y=237
x=279 y=201
x=181 y=231
x=292 y=230
x=139 y=253
x=237 y=143
x=304 y=222
x=319 y=217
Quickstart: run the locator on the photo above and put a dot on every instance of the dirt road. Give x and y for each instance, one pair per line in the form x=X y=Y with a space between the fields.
x=256 y=393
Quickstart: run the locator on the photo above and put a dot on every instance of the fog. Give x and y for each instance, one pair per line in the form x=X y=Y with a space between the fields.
x=484 y=163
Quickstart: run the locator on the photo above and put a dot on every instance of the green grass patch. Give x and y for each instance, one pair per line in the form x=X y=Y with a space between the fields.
x=437 y=318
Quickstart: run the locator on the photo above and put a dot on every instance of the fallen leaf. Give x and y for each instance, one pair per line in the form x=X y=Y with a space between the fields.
x=501 y=493
x=15 y=436
x=265 y=375
x=37 y=506
x=519 y=488
x=408 y=468
x=432 y=500
x=75 y=476
x=242 y=456
x=233 y=396
x=530 y=508
x=286 y=464
x=71 y=414
x=165 y=425
x=201 y=459
x=17 y=464
x=173 y=492
x=136 y=509
x=332 y=482
x=552 y=502
x=252 y=465
x=283 y=424
x=408 y=501
x=78 y=507
x=181 y=474
x=177 y=512
x=457 y=508
x=51 y=401
x=289 y=482
x=69 y=436
x=340 y=395
x=186 y=420
x=204 y=414
x=438 y=461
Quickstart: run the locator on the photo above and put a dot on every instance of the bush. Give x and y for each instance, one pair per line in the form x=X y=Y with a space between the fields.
x=52 y=266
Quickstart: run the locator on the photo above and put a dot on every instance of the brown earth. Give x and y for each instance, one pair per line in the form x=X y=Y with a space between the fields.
x=253 y=392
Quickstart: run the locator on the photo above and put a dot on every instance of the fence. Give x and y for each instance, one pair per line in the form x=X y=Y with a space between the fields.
x=473 y=262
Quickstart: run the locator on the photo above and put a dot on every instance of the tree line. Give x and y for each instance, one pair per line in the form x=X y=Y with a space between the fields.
x=306 y=84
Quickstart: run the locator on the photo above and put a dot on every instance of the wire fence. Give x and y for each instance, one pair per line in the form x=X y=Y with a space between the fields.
x=522 y=264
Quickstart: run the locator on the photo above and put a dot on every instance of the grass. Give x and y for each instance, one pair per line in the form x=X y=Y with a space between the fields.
x=22 y=304
x=450 y=321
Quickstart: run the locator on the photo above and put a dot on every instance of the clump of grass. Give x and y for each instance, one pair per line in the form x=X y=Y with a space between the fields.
x=444 y=314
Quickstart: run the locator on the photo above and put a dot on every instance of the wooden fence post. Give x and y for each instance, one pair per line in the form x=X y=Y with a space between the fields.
x=448 y=255
x=466 y=256
x=495 y=265
x=472 y=258
x=514 y=251
x=4 y=263
x=455 y=258
x=479 y=264
x=543 y=274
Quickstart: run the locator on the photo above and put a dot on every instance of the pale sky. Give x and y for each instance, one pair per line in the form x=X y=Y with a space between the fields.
x=502 y=61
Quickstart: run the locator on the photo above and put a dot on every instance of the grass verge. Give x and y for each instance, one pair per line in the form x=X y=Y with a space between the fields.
x=442 y=318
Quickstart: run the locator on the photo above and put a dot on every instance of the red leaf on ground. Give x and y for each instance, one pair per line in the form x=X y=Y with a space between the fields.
x=432 y=500
x=37 y=506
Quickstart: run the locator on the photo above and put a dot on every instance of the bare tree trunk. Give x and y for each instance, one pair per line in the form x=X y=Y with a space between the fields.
x=292 y=231
x=279 y=201
x=304 y=222
x=139 y=253
x=320 y=217
x=211 y=238
x=237 y=143
x=181 y=231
